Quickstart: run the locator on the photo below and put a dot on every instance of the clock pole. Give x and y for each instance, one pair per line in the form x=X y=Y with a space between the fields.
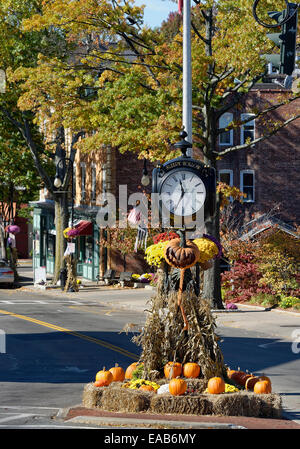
x=187 y=73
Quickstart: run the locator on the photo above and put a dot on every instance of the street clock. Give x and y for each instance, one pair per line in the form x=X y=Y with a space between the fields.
x=184 y=185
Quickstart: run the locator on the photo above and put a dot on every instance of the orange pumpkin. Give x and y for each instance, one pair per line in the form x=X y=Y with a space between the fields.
x=216 y=385
x=262 y=387
x=146 y=388
x=250 y=382
x=242 y=379
x=118 y=373
x=180 y=255
x=264 y=378
x=104 y=377
x=177 y=387
x=236 y=375
x=130 y=369
x=231 y=372
x=99 y=383
x=191 y=370
x=172 y=370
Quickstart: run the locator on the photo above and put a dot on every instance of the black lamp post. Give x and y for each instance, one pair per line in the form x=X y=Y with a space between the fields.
x=58 y=182
x=145 y=178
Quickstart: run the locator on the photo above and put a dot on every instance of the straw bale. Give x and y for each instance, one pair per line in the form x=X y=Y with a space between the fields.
x=271 y=405
x=243 y=403
x=116 y=399
x=247 y=404
x=91 y=396
x=125 y=400
x=189 y=405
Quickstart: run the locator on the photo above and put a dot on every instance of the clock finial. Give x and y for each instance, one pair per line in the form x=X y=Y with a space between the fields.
x=183 y=145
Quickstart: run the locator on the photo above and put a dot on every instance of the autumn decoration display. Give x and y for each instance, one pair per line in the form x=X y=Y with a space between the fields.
x=262 y=387
x=191 y=370
x=216 y=385
x=208 y=246
x=117 y=373
x=177 y=386
x=130 y=370
x=172 y=370
x=103 y=378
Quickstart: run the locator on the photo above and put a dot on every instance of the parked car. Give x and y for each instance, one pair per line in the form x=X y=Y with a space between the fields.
x=6 y=273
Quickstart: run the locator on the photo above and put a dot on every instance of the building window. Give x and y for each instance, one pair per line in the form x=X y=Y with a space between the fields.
x=74 y=181
x=248 y=129
x=83 y=180
x=104 y=184
x=226 y=176
x=247 y=185
x=94 y=183
x=226 y=138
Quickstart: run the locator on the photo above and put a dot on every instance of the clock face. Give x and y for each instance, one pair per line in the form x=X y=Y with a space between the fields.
x=183 y=193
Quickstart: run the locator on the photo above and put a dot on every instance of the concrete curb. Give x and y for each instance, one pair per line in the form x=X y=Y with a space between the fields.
x=149 y=423
x=143 y=422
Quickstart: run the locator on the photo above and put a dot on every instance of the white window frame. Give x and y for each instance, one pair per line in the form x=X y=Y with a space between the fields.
x=83 y=180
x=93 y=182
x=245 y=116
x=247 y=171
x=227 y=118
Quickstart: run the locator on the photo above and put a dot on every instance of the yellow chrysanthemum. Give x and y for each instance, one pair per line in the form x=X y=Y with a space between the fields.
x=65 y=232
x=208 y=249
x=155 y=253
x=228 y=389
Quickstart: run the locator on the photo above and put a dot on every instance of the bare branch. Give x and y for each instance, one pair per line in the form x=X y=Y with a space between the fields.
x=24 y=129
x=258 y=140
x=259 y=114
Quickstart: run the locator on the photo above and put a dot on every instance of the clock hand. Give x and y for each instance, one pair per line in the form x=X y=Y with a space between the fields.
x=181 y=196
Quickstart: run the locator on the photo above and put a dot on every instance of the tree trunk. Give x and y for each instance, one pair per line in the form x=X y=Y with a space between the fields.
x=2 y=243
x=212 y=276
x=61 y=222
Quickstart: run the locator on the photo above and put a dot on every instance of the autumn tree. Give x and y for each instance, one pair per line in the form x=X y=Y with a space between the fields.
x=29 y=146
x=132 y=76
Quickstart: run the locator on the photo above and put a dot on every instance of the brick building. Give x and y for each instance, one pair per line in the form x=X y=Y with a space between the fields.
x=268 y=173
x=95 y=175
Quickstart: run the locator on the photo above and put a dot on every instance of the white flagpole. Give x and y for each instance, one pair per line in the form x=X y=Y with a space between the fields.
x=187 y=73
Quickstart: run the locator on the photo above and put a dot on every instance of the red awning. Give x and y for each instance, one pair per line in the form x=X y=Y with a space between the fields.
x=84 y=227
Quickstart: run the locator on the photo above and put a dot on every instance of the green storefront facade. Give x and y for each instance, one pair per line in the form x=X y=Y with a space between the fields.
x=44 y=236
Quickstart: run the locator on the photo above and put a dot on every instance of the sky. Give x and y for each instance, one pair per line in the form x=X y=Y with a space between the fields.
x=156 y=10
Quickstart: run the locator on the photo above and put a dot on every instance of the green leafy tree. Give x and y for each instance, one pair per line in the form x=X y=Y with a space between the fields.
x=27 y=148
x=124 y=80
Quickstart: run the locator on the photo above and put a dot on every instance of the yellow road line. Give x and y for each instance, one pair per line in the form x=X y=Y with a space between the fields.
x=74 y=333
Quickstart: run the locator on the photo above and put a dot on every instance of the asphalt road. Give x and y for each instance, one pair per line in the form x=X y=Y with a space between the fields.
x=55 y=344
x=53 y=348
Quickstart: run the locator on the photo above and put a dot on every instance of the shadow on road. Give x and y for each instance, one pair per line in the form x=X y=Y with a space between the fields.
x=59 y=357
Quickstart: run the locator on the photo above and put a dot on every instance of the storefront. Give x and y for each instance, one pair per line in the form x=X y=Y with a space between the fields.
x=44 y=237
x=87 y=249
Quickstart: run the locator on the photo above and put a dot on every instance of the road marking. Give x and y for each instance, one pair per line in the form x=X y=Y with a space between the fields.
x=14 y=417
x=74 y=333
x=265 y=345
x=87 y=309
